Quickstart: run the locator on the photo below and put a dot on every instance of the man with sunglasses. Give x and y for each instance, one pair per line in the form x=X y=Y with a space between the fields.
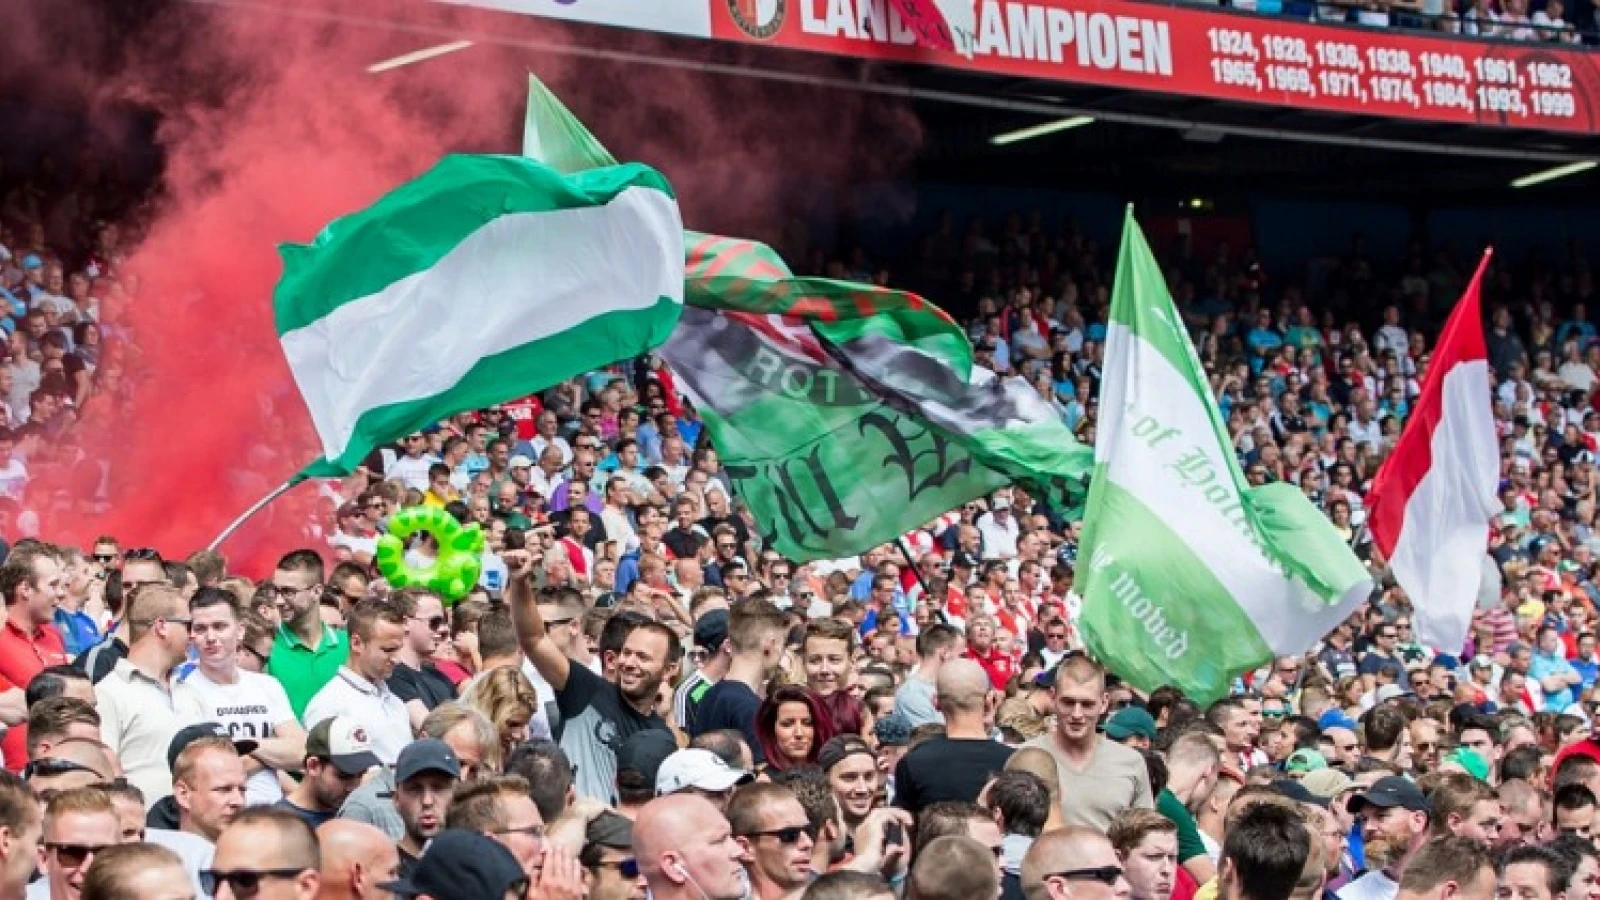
x=77 y=825
x=138 y=714
x=266 y=854
x=415 y=678
x=611 y=872
x=772 y=826
x=1074 y=863
x=250 y=705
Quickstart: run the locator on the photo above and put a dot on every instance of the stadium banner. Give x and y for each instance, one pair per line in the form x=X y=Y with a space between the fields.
x=686 y=17
x=1210 y=53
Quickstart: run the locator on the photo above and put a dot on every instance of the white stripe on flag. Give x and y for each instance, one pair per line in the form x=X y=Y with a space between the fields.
x=1445 y=531
x=518 y=279
x=1287 y=614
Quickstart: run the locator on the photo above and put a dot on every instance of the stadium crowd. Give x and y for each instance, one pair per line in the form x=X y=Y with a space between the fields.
x=641 y=699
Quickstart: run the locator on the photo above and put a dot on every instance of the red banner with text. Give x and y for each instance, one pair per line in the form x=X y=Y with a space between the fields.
x=1209 y=53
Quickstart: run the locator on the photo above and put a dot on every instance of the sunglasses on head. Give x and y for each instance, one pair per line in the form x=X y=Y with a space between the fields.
x=241 y=882
x=48 y=767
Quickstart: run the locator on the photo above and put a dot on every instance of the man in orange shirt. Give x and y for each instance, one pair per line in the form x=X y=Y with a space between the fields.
x=33 y=581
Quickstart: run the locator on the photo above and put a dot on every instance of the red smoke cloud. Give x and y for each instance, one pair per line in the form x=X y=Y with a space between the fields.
x=270 y=127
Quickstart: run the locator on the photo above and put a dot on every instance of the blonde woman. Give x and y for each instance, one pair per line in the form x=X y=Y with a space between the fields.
x=508 y=699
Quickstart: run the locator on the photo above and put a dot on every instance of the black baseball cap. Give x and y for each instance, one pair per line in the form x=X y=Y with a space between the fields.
x=1388 y=792
x=711 y=629
x=426 y=755
x=645 y=751
x=195 y=732
x=461 y=865
x=961 y=559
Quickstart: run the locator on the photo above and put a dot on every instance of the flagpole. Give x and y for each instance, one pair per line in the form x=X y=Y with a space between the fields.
x=911 y=563
x=258 y=506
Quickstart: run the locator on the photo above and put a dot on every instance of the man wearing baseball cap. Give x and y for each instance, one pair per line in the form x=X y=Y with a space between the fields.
x=462 y=865
x=338 y=755
x=164 y=813
x=612 y=871
x=701 y=772
x=1394 y=823
x=425 y=778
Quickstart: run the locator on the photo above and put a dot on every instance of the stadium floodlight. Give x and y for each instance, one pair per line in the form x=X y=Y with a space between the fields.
x=1554 y=173
x=1033 y=131
x=416 y=56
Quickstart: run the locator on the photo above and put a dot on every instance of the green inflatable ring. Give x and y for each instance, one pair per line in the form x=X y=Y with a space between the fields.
x=460 y=562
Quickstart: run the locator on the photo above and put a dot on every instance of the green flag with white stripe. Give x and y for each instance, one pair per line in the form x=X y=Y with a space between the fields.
x=485 y=279
x=1190 y=576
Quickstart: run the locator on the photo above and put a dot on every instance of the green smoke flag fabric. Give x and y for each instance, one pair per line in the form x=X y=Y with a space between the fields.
x=1189 y=576
x=845 y=414
x=485 y=279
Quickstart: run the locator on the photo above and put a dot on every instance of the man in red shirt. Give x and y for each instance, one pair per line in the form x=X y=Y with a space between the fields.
x=32 y=581
x=982 y=649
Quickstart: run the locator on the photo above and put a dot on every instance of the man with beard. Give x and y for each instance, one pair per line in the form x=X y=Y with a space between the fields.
x=425 y=778
x=337 y=757
x=1394 y=817
x=598 y=715
x=306 y=654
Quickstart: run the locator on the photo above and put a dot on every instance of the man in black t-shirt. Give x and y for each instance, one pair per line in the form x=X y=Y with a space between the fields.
x=756 y=629
x=415 y=679
x=956 y=765
x=597 y=715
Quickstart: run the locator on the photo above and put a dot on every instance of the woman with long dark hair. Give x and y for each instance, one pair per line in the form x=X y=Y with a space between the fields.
x=792 y=725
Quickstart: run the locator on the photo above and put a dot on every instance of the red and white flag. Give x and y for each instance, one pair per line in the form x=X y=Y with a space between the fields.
x=1432 y=500
x=941 y=24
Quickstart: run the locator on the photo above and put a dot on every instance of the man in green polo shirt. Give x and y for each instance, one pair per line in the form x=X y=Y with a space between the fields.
x=306 y=654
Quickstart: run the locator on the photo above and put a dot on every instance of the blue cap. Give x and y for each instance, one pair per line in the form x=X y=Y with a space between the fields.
x=32 y=261
x=1335 y=718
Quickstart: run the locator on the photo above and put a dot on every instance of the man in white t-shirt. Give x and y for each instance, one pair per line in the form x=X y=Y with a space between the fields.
x=252 y=706
x=359 y=689
x=412 y=468
x=13 y=474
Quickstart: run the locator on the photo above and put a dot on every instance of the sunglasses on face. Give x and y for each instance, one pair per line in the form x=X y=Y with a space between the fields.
x=627 y=868
x=1106 y=875
x=790 y=835
x=73 y=856
x=105 y=559
x=434 y=622
x=242 y=882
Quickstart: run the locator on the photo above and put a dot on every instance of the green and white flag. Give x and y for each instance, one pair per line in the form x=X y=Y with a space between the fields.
x=1190 y=576
x=485 y=279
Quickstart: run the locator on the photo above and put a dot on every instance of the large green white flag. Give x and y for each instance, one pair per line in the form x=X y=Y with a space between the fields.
x=485 y=279
x=1189 y=576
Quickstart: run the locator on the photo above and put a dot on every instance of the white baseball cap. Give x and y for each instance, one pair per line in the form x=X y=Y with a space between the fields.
x=699 y=769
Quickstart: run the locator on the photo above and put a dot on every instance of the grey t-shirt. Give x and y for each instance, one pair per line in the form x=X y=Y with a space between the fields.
x=914 y=702
x=1114 y=780
x=373 y=803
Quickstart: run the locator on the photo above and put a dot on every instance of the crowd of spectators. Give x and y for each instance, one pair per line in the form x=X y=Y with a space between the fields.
x=641 y=699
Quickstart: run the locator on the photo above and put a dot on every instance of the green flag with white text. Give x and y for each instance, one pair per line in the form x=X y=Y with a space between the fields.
x=1190 y=576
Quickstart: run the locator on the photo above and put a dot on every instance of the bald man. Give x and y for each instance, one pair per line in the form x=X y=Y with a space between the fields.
x=954 y=868
x=1073 y=862
x=957 y=764
x=356 y=858
x=686 y=850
